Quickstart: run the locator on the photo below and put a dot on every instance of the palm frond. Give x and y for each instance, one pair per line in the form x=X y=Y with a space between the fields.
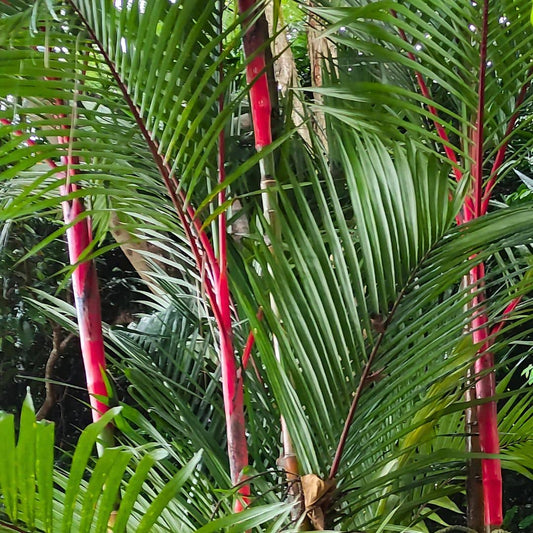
x=48 y=499
x=442 y=45
x=334 y=274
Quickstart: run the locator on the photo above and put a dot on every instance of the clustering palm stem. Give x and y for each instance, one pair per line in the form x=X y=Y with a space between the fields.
x=255 y=42
x=357 y=225
x=231 y=377
x=86 y=293
x=84 y=282
x=476 y=205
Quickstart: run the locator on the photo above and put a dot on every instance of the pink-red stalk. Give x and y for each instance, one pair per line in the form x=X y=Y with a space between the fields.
x=485 y=383
x=232 y=382
x=254 y=50
x=86 y=291
x=199 y=241
x=255 y=41
x=247 y=352
x=476 y=205
x=214 y=278
x=84 y=285
x=86 y=299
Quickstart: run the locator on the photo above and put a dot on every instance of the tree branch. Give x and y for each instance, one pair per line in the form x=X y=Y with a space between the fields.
x=58 y=347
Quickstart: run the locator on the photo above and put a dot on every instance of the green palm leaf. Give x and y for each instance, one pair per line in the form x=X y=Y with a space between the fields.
x=445 y=41
x=366 y=276
x=396 y=254
x=84 y=506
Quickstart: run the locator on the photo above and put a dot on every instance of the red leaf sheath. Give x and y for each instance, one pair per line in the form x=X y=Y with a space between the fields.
x=260 y=102
x=85 y=287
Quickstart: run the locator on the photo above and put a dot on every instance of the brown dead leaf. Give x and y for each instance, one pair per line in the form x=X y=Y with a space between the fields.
x=317 y=495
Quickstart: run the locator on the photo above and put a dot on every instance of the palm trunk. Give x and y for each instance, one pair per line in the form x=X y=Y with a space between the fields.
x=232 y=383
x=84 y=283
x=213 y=273
x=87 y=303
x=255 y=41
x=485 y=381
x=481 y=421
x=474 y=483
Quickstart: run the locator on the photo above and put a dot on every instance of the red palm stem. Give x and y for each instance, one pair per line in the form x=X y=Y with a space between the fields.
x=214 y=279
x=255 y=41
x=232 y=384
x=85 y=288
x=508 y=310
x=475 y=206
x=84 y=285
x=246 y=354
x=486 y=383
x=87 y=301
x=254 y=49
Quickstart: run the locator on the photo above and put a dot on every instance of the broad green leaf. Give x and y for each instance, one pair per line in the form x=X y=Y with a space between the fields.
x=84 y=449
x=45 y=469
x=134 y=487
x=25 y=461
x=168 y=492
x=246 y=519
x=8 y=473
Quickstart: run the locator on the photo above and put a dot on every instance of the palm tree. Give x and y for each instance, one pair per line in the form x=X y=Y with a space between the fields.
x=367 y=282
